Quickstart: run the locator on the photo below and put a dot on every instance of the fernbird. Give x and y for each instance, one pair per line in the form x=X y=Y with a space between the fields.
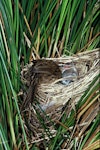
x=41 y=71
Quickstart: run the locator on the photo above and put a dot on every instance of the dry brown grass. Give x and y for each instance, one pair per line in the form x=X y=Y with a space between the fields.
x=56 y=99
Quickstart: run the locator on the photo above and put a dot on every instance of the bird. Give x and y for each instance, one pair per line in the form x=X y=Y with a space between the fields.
x=41 y=71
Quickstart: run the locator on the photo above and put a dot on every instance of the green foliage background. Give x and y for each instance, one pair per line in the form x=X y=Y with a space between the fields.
x=46 y=28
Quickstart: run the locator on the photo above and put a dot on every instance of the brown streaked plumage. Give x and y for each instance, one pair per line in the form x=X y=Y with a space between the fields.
x=41 y=71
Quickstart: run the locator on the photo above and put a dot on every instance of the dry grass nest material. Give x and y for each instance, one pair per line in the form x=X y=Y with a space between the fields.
x=54 y=97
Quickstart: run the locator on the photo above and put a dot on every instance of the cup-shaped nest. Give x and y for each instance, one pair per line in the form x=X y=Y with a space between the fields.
x=52 y=97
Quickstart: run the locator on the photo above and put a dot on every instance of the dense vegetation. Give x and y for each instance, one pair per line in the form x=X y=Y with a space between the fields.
x=34 y=29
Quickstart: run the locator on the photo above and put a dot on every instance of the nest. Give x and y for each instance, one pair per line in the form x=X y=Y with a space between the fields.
x=53 y=98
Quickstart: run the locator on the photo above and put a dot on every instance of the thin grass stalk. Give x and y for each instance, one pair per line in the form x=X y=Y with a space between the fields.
x=3 y=140
x=95 y=124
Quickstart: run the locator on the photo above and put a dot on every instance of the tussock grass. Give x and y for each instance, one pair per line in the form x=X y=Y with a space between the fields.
x=35 y=29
